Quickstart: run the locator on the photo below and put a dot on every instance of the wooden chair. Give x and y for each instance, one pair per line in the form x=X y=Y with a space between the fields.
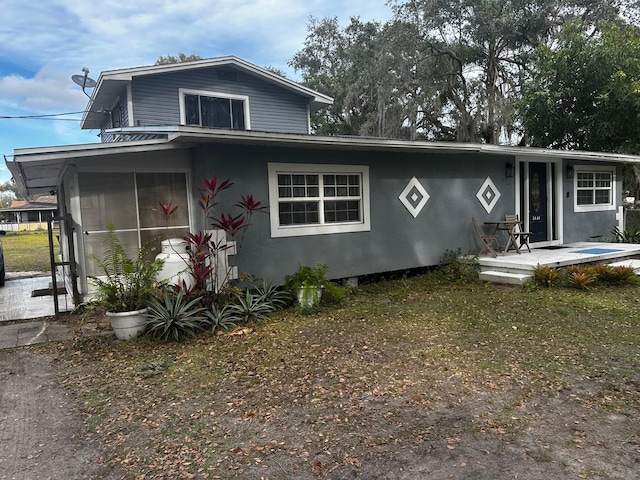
x=488 y=242
x=517 y=235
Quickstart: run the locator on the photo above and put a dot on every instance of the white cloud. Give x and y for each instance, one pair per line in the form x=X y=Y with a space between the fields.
x=43 y=43
x=48 y=91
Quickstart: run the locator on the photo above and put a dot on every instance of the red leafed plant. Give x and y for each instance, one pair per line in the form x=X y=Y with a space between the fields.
x=203 y=249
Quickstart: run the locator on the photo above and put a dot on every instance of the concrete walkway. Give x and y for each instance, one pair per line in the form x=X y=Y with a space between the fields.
x=18 y=303
x=26 y=319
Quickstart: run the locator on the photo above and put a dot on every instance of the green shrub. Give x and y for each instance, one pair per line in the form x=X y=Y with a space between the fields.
x=581 y=277
x=621 y=275
x=221 y=318
x=174 y=316
x=254 y=304
x=546 y=276
x=625 y=236
x=306 y=276
x=458 y=268
x=334 y=294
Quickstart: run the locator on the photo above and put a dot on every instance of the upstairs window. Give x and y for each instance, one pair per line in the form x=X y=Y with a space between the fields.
x=318 y=199
x=594 y=188
x=215 y=110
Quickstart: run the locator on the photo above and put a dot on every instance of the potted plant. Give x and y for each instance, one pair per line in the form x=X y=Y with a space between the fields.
x=306 y=284
x=125 y=286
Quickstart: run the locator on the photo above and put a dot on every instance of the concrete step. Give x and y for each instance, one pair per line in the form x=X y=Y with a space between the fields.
x=495 y=276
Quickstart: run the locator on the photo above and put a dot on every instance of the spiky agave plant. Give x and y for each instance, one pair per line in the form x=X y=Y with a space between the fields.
x=174 y=317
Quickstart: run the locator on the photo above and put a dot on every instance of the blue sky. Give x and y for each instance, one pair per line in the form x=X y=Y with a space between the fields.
x=44 y=43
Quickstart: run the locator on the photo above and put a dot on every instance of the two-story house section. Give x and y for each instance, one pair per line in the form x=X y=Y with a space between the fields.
x=225 y=92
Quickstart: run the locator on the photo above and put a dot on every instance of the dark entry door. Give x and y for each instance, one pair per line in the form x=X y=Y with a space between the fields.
x=538 y=201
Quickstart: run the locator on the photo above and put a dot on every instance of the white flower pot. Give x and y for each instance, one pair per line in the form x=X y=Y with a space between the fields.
x=309 y=297
x=128 y=325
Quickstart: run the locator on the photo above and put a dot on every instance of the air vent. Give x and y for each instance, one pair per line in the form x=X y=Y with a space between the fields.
x=227 y=75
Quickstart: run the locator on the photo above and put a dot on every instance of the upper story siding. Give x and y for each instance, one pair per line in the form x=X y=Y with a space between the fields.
x=156 y=99
x=118 y=117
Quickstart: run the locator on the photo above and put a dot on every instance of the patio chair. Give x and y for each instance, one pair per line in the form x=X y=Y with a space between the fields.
x=488 y=242
x=518 y=235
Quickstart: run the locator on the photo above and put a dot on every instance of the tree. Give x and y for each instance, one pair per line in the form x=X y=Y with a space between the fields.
x=169 y=59
x=440 y=69
x=8 y=193
x=586 y=92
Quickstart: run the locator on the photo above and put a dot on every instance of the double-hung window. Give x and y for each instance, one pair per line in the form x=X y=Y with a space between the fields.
x=216 y=110
x=318 y=199
x=594 y=188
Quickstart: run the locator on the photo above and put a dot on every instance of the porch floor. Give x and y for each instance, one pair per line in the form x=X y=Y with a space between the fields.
x=517 y=268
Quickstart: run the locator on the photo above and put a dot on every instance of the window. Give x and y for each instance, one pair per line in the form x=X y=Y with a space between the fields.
x=216 y=110
x=318 y=199
x=594 y=188
x=130 y=201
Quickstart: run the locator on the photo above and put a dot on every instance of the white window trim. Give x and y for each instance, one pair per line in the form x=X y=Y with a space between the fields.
x=594 y=169
x=184 y=91
x=300 y=230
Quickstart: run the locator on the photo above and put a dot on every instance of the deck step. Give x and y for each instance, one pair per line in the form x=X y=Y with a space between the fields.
x=633 y=263
x=495 y=276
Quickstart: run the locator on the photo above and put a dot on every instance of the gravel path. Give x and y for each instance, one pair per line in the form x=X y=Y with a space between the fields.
x=40 y=437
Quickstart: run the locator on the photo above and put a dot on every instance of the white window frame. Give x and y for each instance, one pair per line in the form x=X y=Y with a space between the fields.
x=277 y=230
x=594 y=207
x=205 y=93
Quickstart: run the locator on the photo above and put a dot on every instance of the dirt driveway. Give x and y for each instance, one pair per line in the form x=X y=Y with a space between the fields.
x=40 y=435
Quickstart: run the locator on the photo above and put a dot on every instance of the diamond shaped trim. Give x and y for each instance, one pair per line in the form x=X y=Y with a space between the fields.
x=414 y=197
x=488 y=195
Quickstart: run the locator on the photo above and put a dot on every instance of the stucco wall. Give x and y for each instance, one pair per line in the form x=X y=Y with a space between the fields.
x=583 y=226
x=397 y=240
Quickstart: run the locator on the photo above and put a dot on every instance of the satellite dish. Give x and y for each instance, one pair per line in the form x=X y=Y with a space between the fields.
x=83 y=81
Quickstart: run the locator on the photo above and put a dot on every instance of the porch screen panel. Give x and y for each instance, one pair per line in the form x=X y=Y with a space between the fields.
x=154 y=188
x=93 y=245
x=107 y=198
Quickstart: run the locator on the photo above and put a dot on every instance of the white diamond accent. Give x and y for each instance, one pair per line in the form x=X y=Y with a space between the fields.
x=414 y=197
x=488 y=195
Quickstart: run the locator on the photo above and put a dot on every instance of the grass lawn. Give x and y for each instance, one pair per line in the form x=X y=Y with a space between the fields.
x=410 y=379
x=26 y=251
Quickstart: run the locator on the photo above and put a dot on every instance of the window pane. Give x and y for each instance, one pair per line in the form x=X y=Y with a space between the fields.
x=93 y=245
x=192 y=111
x=602 y=197
x=237 y=112
x=603 y=180
x=107 y=198
x=153 y=238
x=584 y=197
x=342 y=211
x=585 y=180
x=298 y=213
x=162 y=187
x=215 y=112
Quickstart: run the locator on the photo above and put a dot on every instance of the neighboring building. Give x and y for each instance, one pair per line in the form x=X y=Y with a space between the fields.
x=29 y=215
x=361 y=205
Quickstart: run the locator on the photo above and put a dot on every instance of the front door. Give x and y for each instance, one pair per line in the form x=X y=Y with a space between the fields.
x=538 y=201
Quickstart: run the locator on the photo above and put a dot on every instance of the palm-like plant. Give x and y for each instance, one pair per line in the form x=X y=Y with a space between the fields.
x=174 y=316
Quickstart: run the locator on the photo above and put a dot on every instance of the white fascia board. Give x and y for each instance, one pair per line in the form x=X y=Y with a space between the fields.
x=42 y=154
x=127 y=74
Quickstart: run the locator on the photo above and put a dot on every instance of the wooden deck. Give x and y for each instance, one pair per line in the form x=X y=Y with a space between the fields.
x=514 y=268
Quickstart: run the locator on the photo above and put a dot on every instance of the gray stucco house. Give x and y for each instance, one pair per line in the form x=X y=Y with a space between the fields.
x=361 y=205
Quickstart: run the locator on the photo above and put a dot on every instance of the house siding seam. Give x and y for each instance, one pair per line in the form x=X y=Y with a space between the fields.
x=272 y=109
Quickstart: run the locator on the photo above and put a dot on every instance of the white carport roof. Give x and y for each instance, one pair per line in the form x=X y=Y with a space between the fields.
x=39 y=170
